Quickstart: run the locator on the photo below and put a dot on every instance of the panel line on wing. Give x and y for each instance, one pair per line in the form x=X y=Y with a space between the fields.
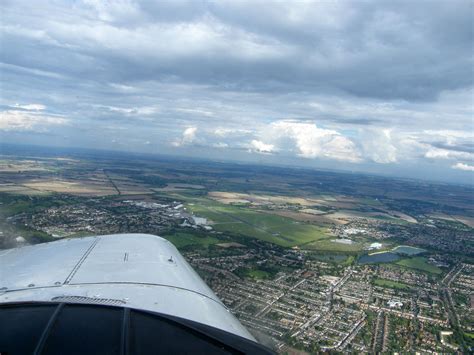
x=147 y=284
x=81 y=261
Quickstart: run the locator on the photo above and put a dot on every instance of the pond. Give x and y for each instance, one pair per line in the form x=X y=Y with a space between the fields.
x=389 y=256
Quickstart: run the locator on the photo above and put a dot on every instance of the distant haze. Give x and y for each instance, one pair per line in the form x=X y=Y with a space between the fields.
x=375 y=86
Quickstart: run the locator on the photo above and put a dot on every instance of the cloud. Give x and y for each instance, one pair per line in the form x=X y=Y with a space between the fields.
x=456 y=146
x=450 y=135
x=134 y=111
x=31 y=107
x=15 y=120
x=371 y=49
x=188 y=137
x=462 y=166
x=314 y=142
x=320 y=83
x=436 y=153
x=189 y=134
x=195 y=111
x=260 y=147
x=220 y=145
x=378 y=145
x=226 y=132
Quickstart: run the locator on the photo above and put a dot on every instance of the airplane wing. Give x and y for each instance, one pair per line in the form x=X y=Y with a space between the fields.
x=124 y=293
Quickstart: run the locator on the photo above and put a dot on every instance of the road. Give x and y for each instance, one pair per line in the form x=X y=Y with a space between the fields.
x=112 y=182
x=268 y=306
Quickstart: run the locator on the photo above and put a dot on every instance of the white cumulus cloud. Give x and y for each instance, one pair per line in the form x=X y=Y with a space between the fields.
x=188 y=137
x=378 y=145
x=462 y=166
x=439 y=153
x=314 y=142
x=261 y=147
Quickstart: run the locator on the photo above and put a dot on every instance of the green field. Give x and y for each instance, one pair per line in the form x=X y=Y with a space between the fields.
x=369 y=201
x=391 y=284
x=328 y=245
x=181 y=240
x=259 y=274
x=246 y=222
x=419 y=263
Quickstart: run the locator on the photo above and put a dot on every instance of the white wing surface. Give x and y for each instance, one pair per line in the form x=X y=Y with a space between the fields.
x=137 y=271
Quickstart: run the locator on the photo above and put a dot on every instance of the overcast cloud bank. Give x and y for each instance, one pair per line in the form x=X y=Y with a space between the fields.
x=371 y=86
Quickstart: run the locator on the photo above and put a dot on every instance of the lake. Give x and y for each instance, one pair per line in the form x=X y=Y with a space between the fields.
x=389 y=256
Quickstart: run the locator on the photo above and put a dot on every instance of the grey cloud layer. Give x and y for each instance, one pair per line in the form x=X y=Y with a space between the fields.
x=387 y=49
x=363 y=82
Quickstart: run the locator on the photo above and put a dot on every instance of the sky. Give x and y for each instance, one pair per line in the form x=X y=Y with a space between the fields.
x=381 y=87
